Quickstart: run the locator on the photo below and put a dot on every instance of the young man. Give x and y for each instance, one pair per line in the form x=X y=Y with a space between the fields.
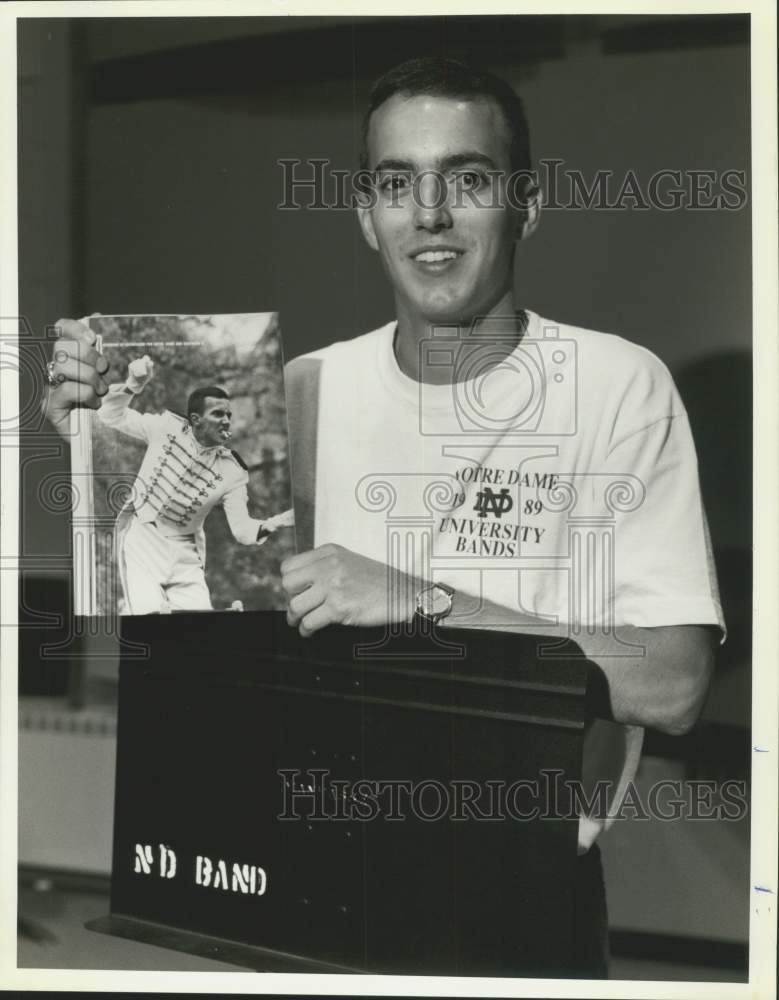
x=478 y=465
x=550 y=469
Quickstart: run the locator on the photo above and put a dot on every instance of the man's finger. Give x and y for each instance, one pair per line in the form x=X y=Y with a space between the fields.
x=74 y=394
x=73 y=329
x=303 y=559
x=304 y=603
x=78 y=349
x=300 y=579
x=314 y=621
x=60 y=401
x=72 y=370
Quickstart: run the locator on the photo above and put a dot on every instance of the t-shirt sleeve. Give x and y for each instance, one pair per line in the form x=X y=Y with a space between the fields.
x=663 y=565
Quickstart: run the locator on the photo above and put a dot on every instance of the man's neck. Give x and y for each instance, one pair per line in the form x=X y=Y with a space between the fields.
x=195 y=437
x=500 y=330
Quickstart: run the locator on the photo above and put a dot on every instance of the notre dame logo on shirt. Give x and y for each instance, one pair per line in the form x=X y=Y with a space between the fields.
x=489 y=502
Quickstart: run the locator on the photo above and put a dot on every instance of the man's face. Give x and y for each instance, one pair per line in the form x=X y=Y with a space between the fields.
x=447 y=252
x=212 y=426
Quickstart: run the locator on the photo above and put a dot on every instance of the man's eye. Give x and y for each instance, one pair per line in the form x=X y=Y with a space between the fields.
x=468 y=180
x=393 y=182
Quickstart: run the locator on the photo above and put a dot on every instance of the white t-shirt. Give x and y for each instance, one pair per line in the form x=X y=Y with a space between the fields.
x=560 y=482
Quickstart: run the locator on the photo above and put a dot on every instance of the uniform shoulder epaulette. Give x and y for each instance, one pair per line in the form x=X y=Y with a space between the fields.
x=239 y=460
x=175 y=419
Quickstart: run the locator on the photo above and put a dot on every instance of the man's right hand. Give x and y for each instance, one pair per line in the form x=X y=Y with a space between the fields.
x=139 y=372
x=78 y=370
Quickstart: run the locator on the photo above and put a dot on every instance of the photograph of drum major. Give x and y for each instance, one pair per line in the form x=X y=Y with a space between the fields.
x=193 y=420
x=231 y=153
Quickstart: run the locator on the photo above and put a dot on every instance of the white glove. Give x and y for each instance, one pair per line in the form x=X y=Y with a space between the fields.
x=139 y=372
x=283 y=520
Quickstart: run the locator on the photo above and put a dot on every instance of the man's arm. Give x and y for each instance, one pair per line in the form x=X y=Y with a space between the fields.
x=246 y=529
x=662 y=684
x=656 y=677
x=115 y=410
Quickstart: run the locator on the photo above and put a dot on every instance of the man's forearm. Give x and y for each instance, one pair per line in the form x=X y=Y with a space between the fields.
x=245 y=529
x=655 y=677
x=115 y=411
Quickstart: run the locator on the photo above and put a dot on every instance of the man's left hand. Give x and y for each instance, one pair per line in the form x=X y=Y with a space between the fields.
x=331 y=585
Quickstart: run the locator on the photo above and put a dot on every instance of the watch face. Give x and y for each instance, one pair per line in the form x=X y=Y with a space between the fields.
x=434 y=601
x=439 y=601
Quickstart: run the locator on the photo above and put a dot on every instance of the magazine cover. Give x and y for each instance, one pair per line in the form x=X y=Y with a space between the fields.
x=181 y=477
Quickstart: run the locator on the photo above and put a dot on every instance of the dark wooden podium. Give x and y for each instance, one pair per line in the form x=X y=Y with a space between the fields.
x=242 y=831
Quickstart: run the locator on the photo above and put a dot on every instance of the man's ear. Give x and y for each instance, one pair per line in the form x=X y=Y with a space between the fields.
x=531 y=213
x=366 y=224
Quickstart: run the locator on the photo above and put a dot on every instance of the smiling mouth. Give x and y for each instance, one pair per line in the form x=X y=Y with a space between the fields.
x=225 y=434
x=436 y=256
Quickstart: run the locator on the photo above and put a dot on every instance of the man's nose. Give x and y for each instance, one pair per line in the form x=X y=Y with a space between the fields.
x=431 y=202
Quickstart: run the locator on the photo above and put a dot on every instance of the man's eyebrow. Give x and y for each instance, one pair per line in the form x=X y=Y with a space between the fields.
x=392 y=164
x=466 y=159
x=451 y=162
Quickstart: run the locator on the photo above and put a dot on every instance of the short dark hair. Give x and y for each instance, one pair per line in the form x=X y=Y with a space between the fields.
x=197 y=399
x=451 y=78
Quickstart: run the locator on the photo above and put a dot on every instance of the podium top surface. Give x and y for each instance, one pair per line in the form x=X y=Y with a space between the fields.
x=525 y=677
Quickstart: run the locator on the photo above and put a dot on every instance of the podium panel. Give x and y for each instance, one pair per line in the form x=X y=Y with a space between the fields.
x=294 y=803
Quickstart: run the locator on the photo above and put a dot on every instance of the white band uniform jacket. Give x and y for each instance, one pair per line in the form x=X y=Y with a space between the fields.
x=180 y=482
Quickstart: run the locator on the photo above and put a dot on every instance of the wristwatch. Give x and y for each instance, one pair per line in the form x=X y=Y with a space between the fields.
x=434 y=602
